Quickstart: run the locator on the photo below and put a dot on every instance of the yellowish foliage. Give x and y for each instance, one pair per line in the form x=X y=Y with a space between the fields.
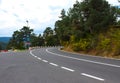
x=83 y=44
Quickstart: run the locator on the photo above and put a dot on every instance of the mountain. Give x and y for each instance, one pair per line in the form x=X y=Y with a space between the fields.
x=5 y=39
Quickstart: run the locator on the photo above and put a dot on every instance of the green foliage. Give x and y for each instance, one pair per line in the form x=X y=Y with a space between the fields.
x=89 y=17
x=40 y=40
x=104 y=43
x=17 y=40
x=85 y=27
x=63 y=27
x=48 y=32
x=63 y=15
x=50 y=38
x=36 y=40
x=118 y=11
x=115 y=38
x=82 y=45
x=110 y=41
x=118 y=22
x=98 y=15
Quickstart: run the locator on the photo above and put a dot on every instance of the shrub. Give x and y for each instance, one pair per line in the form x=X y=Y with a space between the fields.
x=104 y=43
x=82 y=45
x=115 y=38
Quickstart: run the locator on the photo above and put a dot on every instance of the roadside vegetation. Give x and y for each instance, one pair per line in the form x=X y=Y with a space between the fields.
x=26 y=36
x=90 y=26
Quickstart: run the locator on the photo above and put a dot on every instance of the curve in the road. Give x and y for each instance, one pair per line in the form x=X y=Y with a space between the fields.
x=65 y=68
x=112 y=65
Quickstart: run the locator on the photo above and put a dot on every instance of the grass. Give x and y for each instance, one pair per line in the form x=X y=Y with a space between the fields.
x=93 y=53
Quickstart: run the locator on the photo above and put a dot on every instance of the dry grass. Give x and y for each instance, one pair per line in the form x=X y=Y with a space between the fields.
x=105 y=54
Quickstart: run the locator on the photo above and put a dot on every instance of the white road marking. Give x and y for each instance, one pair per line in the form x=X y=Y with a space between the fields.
x=32 y=53
x=53 y=64
x=68 y=69
x=39 y=58
x=45 y=61
x=35 y=56
x=112 y=65
x=91 y=76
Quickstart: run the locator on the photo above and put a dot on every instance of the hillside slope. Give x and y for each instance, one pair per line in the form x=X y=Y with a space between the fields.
x=106 y=44
x=5 y=39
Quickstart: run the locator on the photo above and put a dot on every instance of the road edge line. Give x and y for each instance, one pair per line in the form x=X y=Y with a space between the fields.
x=85 y=60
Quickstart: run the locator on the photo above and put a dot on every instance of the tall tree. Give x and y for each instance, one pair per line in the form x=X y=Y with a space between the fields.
x=63 y=14
x=63 y=27
x=37 y=40
x=19 y=37
x=40 y=40
x=97 y=15
x=48 y=32
x=50 y=37
x=86 y=19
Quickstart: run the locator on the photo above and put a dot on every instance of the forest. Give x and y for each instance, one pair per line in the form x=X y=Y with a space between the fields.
x=90 y=27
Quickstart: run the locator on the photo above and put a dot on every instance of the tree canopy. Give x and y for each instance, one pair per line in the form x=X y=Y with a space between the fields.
x=18 y=38
x=79 y=27
x=88 y=17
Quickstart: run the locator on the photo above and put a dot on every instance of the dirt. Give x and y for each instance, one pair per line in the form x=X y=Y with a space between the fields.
x=94 y=53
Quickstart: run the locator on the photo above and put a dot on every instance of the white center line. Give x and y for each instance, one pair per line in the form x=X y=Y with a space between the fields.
x=91 y=76
x=35 y=56
x=39 y=58
x=53 y=64
x=45 y=61
x=68 y=69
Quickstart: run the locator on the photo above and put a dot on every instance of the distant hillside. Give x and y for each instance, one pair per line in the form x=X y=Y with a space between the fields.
x=3 y=45
x=5 y=39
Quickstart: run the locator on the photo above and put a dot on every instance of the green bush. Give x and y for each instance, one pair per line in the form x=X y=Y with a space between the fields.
x=76 y=47
x=115 y=38
x=104 y=43
x=82 y=45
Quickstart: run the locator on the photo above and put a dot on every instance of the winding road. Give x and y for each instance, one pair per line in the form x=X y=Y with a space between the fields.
x=51 y=65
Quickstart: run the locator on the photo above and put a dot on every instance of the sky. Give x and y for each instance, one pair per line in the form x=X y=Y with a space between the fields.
x=39 y=13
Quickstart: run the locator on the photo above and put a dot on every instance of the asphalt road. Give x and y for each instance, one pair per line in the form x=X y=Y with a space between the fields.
x=50 y=65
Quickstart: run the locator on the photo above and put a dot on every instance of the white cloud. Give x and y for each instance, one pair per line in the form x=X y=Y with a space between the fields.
x=40 y=13
x=113 y=2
